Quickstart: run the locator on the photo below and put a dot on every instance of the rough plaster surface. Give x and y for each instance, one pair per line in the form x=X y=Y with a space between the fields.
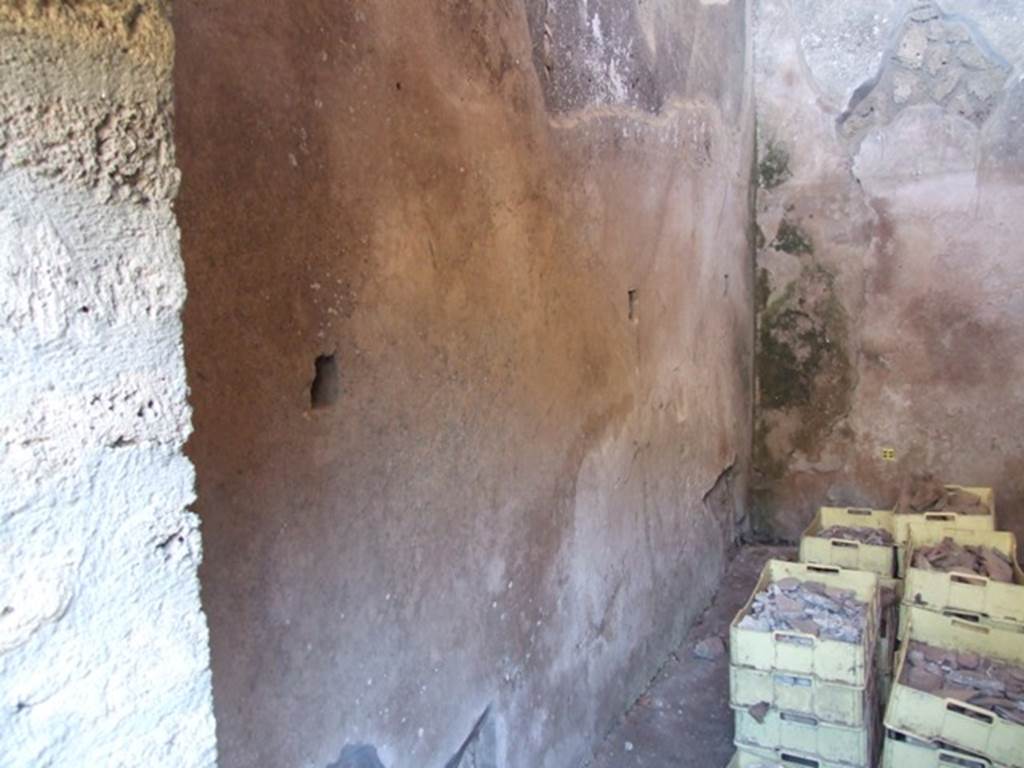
x=103 y=647
x=520 y=498
x=889 y=267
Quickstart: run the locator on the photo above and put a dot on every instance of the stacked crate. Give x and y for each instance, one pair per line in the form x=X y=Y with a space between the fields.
x=803 y=699
x=875 y=558
x=939 y=728
x=958 y=615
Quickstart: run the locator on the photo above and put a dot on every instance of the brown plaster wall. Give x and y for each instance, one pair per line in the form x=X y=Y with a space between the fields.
x=890 y=263
x=520 y=496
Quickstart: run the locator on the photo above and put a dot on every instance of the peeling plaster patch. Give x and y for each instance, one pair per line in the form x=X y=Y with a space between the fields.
x=842 y=45
x=936 y=60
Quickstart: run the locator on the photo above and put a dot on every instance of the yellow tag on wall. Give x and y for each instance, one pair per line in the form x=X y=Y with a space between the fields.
x=889 y=454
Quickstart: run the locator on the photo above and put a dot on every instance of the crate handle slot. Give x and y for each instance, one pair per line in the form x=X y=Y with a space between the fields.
x=948 y=517
x=971 y=711
x=861 y=512
x=793 y=717
x=823 y=568
x=844 y=543
x=797 y=681
x=789 y=759
x=965 y=619
x=796 y=638
x=971 y=578
x=967 y=761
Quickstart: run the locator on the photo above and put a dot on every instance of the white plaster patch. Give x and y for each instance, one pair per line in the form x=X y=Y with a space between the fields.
x=103 y=645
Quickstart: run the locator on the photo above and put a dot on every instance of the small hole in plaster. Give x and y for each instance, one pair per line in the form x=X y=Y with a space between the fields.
x=326 y=385
x=633 y=299
x=84 y=310
x=398 y=86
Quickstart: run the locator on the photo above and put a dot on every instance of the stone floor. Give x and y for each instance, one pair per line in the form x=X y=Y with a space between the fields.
x=683 y=720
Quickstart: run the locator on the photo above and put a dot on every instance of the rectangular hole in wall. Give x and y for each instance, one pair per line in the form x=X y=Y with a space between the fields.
x=633 y=299
x=326 y=386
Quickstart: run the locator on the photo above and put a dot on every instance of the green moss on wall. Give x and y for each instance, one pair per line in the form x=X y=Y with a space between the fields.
x=790 y=238
x=773 y=169
x=802 y=362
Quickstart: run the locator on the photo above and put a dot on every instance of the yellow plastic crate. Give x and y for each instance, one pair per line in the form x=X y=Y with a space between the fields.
x=809 y=735
x=835 y=703
x=902 y=522
x=804 y=654
x=940 y=590
x=902 y=750
x=956 y=723
x=749 y=757
x=854 y=555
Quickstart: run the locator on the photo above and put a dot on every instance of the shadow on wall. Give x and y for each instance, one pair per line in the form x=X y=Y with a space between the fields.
x=479 y=750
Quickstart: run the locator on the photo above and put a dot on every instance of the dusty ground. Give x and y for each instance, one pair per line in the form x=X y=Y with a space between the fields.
x=684 y=718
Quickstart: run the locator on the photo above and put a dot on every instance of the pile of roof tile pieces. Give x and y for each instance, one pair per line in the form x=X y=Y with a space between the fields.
x=925 y=493
x=960 y=640
x=809 y=607
x=950 y=556
x=966 y=676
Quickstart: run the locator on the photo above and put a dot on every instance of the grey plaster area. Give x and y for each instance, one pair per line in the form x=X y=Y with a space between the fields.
x=934 y=59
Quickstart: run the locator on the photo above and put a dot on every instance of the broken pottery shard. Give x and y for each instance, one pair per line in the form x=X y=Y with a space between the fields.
x=789 y=605
x=759 y=710
x=967 y=659
x=940 y=655
x=710 y=648
x=807 y=626
x=995 y=566
x=976 y=680
x=814 y=586
x=964 y=502
x=838 y=594
x=923 y=680
x=920 y=492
